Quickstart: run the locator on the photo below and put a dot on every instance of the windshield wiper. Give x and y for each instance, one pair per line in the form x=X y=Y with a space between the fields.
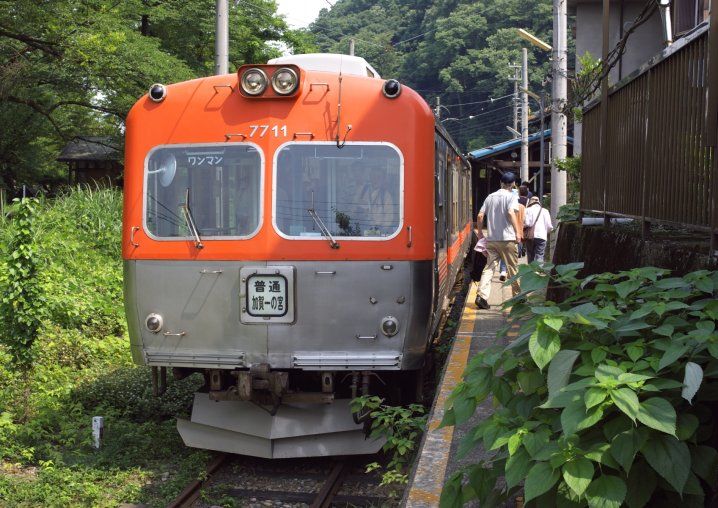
x=325 y=232
x=189 y=219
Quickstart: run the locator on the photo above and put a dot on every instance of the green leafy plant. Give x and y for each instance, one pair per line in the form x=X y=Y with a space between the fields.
x=400 y=426
x=22 y=303
x=604 y=398
x=572 y=167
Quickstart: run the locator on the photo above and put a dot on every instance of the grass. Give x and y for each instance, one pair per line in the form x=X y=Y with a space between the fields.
x=83 y=369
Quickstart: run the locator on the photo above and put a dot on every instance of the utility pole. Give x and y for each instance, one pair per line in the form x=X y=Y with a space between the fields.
x=351 y=47
x=559 y=98
x=515 y=99
x=437 y=111
x=542 y=105
x=221 y=42
x=524 y=115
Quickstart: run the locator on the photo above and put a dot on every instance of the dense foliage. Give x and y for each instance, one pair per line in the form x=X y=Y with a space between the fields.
x=80 y=367
x=21 y=303
x=71 y=67
x=605 y=399
x=457 y=50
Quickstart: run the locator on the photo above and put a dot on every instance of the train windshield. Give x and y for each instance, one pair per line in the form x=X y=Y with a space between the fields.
x=355 y=190
x=222 y=184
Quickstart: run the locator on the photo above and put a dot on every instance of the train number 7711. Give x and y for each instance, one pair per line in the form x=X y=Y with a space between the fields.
x=261 y=130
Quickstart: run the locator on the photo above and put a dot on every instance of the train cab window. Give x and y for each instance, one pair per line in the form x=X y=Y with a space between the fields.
x=219 y=184
x=355 y=191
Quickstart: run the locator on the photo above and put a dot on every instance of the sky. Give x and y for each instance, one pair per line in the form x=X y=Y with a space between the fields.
x=299 y=13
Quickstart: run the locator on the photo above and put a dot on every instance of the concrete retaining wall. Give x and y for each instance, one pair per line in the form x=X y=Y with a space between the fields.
x=615 y=248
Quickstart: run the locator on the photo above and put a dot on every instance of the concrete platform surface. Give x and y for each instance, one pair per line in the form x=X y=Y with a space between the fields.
x=437 y=459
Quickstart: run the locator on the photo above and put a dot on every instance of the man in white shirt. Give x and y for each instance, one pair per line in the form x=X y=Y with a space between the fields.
x=538 y=218
x=505 y=230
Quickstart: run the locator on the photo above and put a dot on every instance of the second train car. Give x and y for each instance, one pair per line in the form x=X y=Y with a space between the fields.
x=292 y=232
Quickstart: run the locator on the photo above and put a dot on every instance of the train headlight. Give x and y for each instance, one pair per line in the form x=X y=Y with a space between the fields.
x=391 y=88
x=389 y=326
x=285 y=81
x=254 y=81
x=153 y=323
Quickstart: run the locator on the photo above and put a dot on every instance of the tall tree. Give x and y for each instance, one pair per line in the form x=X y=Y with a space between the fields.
x=75 y=67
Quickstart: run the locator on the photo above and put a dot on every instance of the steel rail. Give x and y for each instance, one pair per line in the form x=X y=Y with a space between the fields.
x=331 y=486
x=191 y=492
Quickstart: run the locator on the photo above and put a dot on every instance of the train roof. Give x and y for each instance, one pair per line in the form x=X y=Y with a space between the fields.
x=329 y=62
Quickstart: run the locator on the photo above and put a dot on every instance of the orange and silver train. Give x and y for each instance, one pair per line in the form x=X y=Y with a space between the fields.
x=292 y=232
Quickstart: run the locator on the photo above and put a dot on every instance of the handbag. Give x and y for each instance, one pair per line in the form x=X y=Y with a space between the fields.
x=529 y=231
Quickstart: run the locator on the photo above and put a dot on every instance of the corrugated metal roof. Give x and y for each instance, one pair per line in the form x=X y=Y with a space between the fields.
x=91 y=148
x=505 y=146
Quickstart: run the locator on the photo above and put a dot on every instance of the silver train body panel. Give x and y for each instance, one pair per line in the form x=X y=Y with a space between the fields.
x=337 y=311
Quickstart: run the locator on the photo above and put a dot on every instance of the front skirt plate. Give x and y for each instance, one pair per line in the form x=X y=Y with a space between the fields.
x=298 y=430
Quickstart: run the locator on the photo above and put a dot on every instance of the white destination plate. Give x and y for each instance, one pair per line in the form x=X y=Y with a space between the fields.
x=267 y=295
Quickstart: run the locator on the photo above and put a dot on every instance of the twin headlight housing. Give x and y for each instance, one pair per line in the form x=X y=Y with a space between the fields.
x=254 y=81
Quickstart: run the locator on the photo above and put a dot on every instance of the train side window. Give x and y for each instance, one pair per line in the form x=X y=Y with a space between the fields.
x=355 y=191
x=223 y=184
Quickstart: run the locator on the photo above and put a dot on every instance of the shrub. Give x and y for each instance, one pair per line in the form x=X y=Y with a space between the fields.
x=402 y=428
x=603 y=399
x=22 y=303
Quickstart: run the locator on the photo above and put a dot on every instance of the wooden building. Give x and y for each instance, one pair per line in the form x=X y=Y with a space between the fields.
x=93 y=160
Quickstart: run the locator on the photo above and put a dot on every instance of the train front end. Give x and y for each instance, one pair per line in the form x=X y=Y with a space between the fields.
x=278 y=238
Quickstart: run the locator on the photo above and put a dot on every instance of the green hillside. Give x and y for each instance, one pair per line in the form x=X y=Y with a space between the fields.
x=457 y=50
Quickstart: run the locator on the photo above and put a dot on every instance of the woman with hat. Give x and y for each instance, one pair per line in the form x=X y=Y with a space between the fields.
x=537 y=226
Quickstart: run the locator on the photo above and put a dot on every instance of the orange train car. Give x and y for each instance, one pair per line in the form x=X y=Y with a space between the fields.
x=292 y=232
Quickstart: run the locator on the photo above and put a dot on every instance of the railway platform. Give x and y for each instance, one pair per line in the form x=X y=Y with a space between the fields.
x=437 y=459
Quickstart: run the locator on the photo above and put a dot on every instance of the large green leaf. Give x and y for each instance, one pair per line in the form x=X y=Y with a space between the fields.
x=670 y=458
x=607 y=373
x=530 y=381
x=625 y=446
x=627 y=287
x=577 y=474
x=657 y=413
x=641 y=484
x=569 y=267
x=627 y=401
x=553 y=322
x=705 y=463
x=672 y=354
x=464 y=407
x=601 y=453
x=691 y=380
x=517 y=467
x=594 y=396
x=606 y=491
x=544 y=343
x=575 y=417
x=534 y=442
x=686 y=426
x=559 y=370
x=540 y=479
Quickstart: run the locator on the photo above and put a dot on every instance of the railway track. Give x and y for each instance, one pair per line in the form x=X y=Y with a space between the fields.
x=330 y=482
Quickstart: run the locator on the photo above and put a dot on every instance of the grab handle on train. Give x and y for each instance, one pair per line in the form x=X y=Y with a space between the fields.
x=134 y=230
x=366 y=337
x=174 y=334
x=411 y=239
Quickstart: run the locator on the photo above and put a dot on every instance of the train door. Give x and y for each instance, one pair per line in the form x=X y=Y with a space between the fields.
x=440 y=220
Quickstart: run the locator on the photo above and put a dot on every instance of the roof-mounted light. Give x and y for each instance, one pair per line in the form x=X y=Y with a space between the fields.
x=391 y=88
x=284 y=81
x=157 y=92
x=254 y=81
